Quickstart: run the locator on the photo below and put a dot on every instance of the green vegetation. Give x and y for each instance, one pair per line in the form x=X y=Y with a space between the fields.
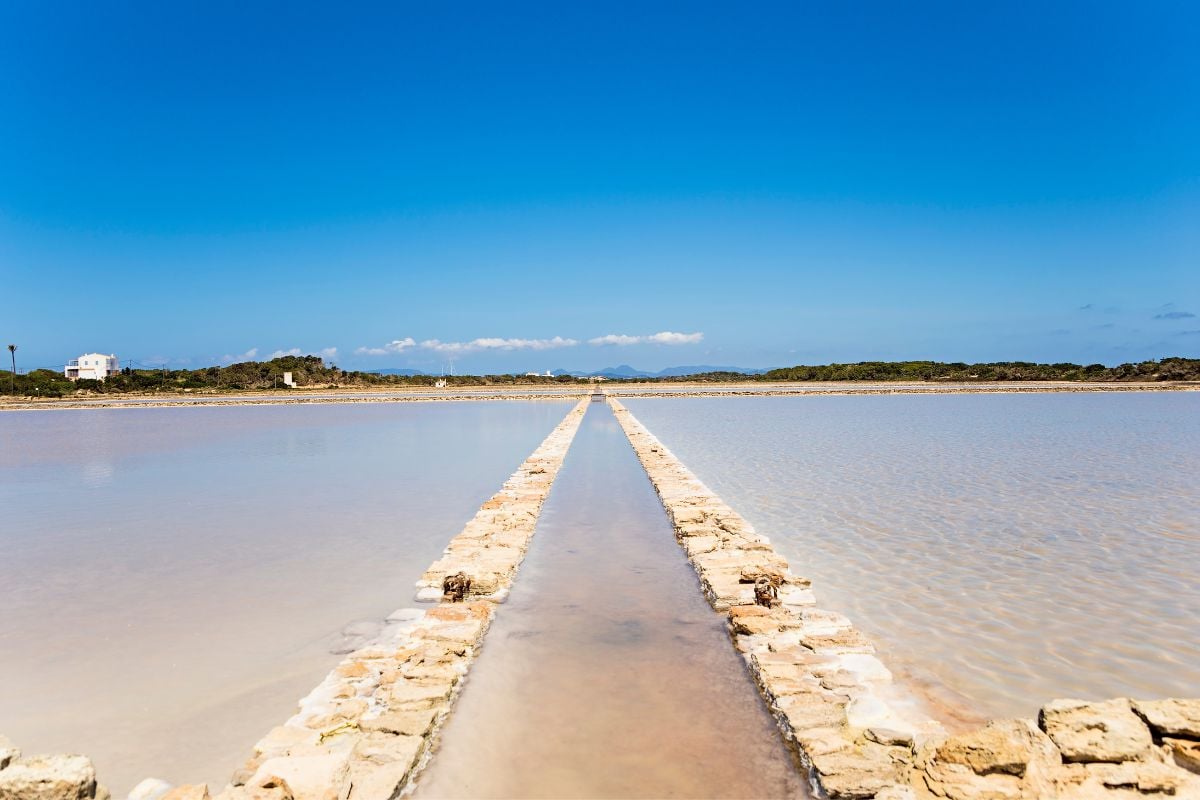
x=1168 y=369
x=307 y=371
x=312 y=372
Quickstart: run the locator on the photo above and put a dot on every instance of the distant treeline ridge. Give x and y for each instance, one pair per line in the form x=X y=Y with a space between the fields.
x=312 y=371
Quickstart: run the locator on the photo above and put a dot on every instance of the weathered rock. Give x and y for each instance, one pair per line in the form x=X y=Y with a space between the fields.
x=408 y=723
x=1086 y=732
x=751 y=620
x=895 y=793
x=410 y=695
x=269 y=787
x=57 y=777
x=889 y=736
x=282 y=739
x=310 y=777
x=857 y=773
x=1172 y=717
x=190 y=791
x=1006 y=747
x=1184 y=752
x=813 y=711
x=150 y=789
x=1129 y=779
x=370 y=781
x=8 y=752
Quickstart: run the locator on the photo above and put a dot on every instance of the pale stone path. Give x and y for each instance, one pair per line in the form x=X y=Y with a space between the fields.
x=607 y=674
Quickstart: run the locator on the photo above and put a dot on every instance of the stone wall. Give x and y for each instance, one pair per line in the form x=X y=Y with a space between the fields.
x=858 y=736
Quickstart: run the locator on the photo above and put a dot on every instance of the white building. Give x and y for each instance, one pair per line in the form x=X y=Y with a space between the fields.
x=92 y=365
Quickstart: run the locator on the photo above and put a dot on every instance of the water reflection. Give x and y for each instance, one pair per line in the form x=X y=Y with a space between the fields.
x=173 y=580
x=1005 y=549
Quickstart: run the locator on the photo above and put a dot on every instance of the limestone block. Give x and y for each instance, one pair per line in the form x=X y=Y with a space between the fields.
x=369 y=781
x=189 y=791
x=697 y=545
x=1173 y=717
x=378 y=747
x=752 y=620
x=56 y=777
x=409 y=695
x=890 y=736
x=340 y=713
x=1005 y=747
x=282 y=739
x=1128 y=779
x=309 y=777
x=1107 y=731
x=823 y=741
x=409 y=723
x=895 y=793
x=958 y=782
x=845 y=641
x=1184 y=752
x=811 y=710
x=855 y=774
x=270 y=787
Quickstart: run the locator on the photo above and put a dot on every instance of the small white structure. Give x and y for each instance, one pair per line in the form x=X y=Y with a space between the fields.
x=287 y=380
x=440 y=383
x=96 y=366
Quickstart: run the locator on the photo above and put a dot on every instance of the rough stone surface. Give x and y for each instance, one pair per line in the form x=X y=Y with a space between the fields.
x=190 y=791
x=1089 y=732
x=1133 y=779
x=1006 y=747
x=1172 y=717
x=56 y=777
x=309 y=777
x=1184 y=752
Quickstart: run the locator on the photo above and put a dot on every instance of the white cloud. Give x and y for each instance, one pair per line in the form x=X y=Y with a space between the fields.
x=475 y=345
x=615 y=338
x=662 y=337
x=329 y=352
x=295 y=351
x=249 y=355
x=394 y=346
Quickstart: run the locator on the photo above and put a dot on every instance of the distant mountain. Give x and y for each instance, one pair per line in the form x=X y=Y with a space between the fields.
x=677 y=371
x=623 y=371
x=626 y=371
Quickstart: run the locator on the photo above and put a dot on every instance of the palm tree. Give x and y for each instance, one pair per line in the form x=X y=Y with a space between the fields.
x=12 y=383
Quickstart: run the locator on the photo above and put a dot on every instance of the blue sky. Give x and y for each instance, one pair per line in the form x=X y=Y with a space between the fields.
x=530 y=186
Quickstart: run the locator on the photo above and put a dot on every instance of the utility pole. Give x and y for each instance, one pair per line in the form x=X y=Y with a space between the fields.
x=12 y=383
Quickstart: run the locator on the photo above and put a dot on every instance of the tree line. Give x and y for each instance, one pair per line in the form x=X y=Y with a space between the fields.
x=312 y=371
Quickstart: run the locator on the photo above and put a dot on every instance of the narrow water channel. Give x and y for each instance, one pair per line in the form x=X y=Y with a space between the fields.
x=606 y=674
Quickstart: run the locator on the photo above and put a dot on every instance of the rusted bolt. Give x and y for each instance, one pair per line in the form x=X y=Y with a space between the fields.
x=455 y=587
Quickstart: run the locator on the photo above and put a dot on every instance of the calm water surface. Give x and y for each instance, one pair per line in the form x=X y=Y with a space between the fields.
x=1003 y=550
x=173 y=580
x=606 y=674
